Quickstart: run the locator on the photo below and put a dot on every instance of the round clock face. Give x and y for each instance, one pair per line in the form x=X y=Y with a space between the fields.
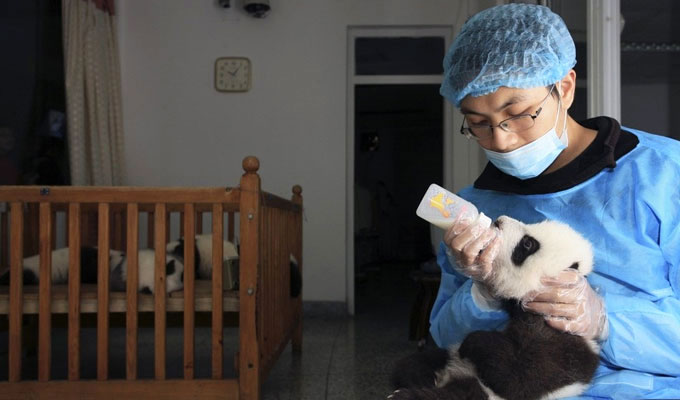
x=232 y=74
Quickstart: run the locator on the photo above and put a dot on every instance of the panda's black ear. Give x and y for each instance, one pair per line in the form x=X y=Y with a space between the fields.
x=178 y=251
x=574 y=266
x=170 y=268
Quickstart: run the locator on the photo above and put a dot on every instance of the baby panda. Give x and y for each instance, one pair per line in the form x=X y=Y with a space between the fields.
x=203 y=259
x=202 y=253
x=528 y=359
x=174 y=269
x=174 y=272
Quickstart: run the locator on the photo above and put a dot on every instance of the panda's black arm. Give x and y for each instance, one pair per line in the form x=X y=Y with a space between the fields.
x=495 y=360
x=457 y=389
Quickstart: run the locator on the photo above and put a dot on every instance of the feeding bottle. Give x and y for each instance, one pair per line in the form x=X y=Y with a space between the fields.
x=443 y=208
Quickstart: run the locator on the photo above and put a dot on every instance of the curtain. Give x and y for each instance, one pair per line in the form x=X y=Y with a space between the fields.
x=93 y=97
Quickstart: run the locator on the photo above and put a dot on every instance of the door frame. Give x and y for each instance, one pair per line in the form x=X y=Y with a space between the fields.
x=604 y=58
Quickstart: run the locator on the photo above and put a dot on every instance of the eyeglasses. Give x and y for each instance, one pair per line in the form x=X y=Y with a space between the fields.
x=515 y=124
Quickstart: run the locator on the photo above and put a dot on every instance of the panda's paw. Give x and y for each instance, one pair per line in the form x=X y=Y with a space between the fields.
x=402 y=394
x=412 y=394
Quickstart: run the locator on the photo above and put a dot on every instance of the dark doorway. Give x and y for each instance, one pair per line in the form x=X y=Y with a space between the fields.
x=398 y=153
x=32 y=100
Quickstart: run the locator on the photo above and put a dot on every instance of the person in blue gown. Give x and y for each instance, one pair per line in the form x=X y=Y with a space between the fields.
x=510 y=72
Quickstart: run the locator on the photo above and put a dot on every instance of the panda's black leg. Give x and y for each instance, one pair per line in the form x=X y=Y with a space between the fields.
x=418 y=370
x=494 y=357
x=457 y=389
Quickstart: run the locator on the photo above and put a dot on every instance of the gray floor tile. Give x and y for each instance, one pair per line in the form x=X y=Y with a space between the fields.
x=352 y=356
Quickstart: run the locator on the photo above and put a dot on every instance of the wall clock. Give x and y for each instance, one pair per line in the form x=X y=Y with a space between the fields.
x=232 y=74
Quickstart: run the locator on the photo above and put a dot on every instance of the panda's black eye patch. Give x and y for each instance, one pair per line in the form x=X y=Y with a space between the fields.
x=524 y=248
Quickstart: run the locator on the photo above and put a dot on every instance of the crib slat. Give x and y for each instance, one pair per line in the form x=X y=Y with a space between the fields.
x=15 y=290
x=4 y=237
x=189 y=289
x=159 y=291
x=263 y=304
x=103 y=293
x=74 y=292
x=132 y=288
x=45 y=282
x=230 y=229
x=217 y=235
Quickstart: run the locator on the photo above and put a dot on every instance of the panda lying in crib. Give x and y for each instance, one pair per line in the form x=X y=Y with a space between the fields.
x=528 y=359
x=203 y=259
x=202 y=253
x=174 y=269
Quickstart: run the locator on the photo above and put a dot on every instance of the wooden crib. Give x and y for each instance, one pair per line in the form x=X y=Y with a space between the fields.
x=270 y=229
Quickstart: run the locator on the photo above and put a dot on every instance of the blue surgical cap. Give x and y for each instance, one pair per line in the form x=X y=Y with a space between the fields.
x=513 y=45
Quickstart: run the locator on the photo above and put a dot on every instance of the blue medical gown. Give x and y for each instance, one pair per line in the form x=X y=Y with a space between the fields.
x=631 y=214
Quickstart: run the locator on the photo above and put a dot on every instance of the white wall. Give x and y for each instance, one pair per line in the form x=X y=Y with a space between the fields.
x=179 y=131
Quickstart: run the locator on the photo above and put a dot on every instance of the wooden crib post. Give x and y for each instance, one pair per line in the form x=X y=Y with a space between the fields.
x=16 y=290
x=249 y=353
x=297 y=250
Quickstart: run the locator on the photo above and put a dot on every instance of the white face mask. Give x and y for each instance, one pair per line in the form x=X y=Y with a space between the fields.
x=533 y=158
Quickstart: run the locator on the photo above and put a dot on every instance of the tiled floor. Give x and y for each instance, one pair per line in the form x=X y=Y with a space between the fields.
x=348 y=358
x=343 y=357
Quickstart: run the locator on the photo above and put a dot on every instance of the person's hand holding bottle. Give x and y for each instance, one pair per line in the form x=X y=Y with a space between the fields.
x=474 y=248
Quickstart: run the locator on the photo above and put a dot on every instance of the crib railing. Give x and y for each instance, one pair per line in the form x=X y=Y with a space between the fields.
x=270 y=231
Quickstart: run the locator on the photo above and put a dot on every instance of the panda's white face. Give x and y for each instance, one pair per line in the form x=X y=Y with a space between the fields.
x=174 y=272
x=530 y=251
